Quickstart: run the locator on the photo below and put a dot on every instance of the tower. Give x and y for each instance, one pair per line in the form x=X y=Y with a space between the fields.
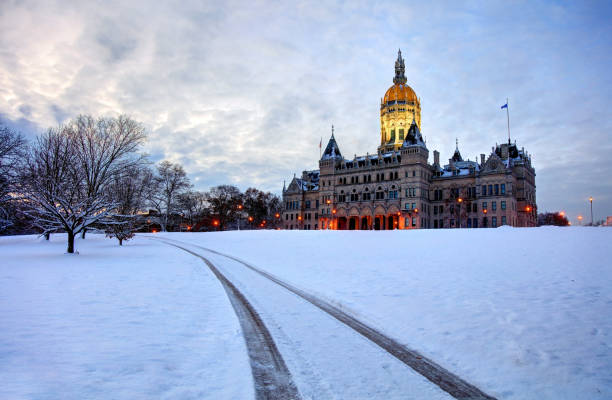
x=398 y=108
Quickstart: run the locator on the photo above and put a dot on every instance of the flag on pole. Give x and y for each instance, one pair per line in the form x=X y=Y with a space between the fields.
x=320 y=142
x=504 y=106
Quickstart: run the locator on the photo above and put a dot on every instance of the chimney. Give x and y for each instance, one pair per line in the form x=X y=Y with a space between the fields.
x=482 y=159
x=436 y=157
x=451 y=163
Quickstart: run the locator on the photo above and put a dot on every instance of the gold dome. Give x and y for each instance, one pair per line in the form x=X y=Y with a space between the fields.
x=401 y=92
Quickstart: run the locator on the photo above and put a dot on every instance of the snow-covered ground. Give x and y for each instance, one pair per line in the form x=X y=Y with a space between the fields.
x=519 y=313
x=142 y=321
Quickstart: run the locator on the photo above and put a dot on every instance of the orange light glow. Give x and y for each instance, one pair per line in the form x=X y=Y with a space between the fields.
x=299 y=217
x=562 y=213
x=591 y=199
x=334 y=211
x=484 y=211
x=215 y=223
x=416 y=210
x=188 y=228
x=399 y=213
x=580 y=218
x=250 y=219
x=240 y=206
x=277 y=215
x=154 y=231
x=459 y=200
x=328 y=201
x=527 y=208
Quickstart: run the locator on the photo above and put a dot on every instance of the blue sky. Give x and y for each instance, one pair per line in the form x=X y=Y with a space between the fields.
x=242 y=92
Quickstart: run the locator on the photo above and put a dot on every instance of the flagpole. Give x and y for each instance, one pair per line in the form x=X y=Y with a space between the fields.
x=508 y=115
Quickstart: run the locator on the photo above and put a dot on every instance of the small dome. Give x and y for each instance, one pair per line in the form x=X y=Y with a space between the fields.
x=400 y=92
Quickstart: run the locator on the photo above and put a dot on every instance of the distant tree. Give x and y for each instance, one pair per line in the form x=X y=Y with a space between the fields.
x=12 y=152
x=552 y=218
x=192 y=205
x=223 y=204
x=128 y=191
x=262 y=207
x=170 y=181
x=67 y=179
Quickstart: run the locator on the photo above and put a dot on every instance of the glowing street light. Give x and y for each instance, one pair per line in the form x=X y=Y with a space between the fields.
x=580 y=219
x=591 y=200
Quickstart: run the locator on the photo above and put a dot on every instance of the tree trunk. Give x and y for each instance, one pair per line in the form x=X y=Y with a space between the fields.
x=70 y=242
x=47 y=236
x=83 y=234
x=120 y=242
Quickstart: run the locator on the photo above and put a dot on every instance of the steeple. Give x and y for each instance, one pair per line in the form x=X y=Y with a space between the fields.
x=400 y=78
x=332 y=150
x=457 y=154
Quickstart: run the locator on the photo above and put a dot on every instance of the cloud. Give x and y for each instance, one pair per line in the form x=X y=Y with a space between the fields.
x=242 y=92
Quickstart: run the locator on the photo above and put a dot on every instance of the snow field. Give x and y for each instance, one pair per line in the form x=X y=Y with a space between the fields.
x=520 y=313
x=140 y=321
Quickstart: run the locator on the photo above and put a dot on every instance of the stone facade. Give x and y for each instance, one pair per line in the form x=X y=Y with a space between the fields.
x=397 y=188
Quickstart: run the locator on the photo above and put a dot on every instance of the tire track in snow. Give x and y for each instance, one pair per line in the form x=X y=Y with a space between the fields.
x=444 y=379
x=272 y=378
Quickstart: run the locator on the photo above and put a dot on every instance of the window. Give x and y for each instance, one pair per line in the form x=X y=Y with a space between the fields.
x=435 y=210
x=494 y=222
x=483 y=192
x=401 y=134
x=503 y=220
x=392 y=135
x=503 y=205
x=393 y=194
x=414 y=221
x=484 y=205
x=475 y=222
x=307 y=203
x=474 y=207
x=413 y=173
x=503 y=188
x=494 y=205
x=469 y=222
x=435 y=224
x=490 y=190
x=496 y=190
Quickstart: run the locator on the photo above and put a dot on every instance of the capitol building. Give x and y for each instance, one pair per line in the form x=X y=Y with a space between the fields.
x=396 y=187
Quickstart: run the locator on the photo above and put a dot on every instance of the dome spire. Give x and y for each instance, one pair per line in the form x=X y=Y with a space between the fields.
x=399 y=78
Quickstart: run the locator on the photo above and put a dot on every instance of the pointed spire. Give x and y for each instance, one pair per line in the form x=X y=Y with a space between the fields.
x=457 y=154
x=399 y=70
x=331 y=150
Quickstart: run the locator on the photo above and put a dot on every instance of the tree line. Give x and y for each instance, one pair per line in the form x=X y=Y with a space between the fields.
x=89 y=174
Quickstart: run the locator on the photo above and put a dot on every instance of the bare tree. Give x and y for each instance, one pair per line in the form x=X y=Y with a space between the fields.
x=193 y=205
x=12 y=151
x=104 y=148
x=171 y=181
x=128 y=191
x=66 y=184
x=223 y=201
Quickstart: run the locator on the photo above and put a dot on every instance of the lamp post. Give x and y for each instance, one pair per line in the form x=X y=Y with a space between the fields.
x=580 y=219
x=459 y=201
x=591 y=201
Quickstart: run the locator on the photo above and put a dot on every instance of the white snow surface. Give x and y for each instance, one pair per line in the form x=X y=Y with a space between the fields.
x=519 y=313
x=141 y=321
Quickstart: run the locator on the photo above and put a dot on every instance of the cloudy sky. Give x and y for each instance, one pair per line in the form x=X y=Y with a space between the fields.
x=242 y=92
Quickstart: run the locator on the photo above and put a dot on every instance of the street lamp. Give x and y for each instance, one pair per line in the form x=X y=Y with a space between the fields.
x=591 y=200
x=580 y=219
x=459 y=201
